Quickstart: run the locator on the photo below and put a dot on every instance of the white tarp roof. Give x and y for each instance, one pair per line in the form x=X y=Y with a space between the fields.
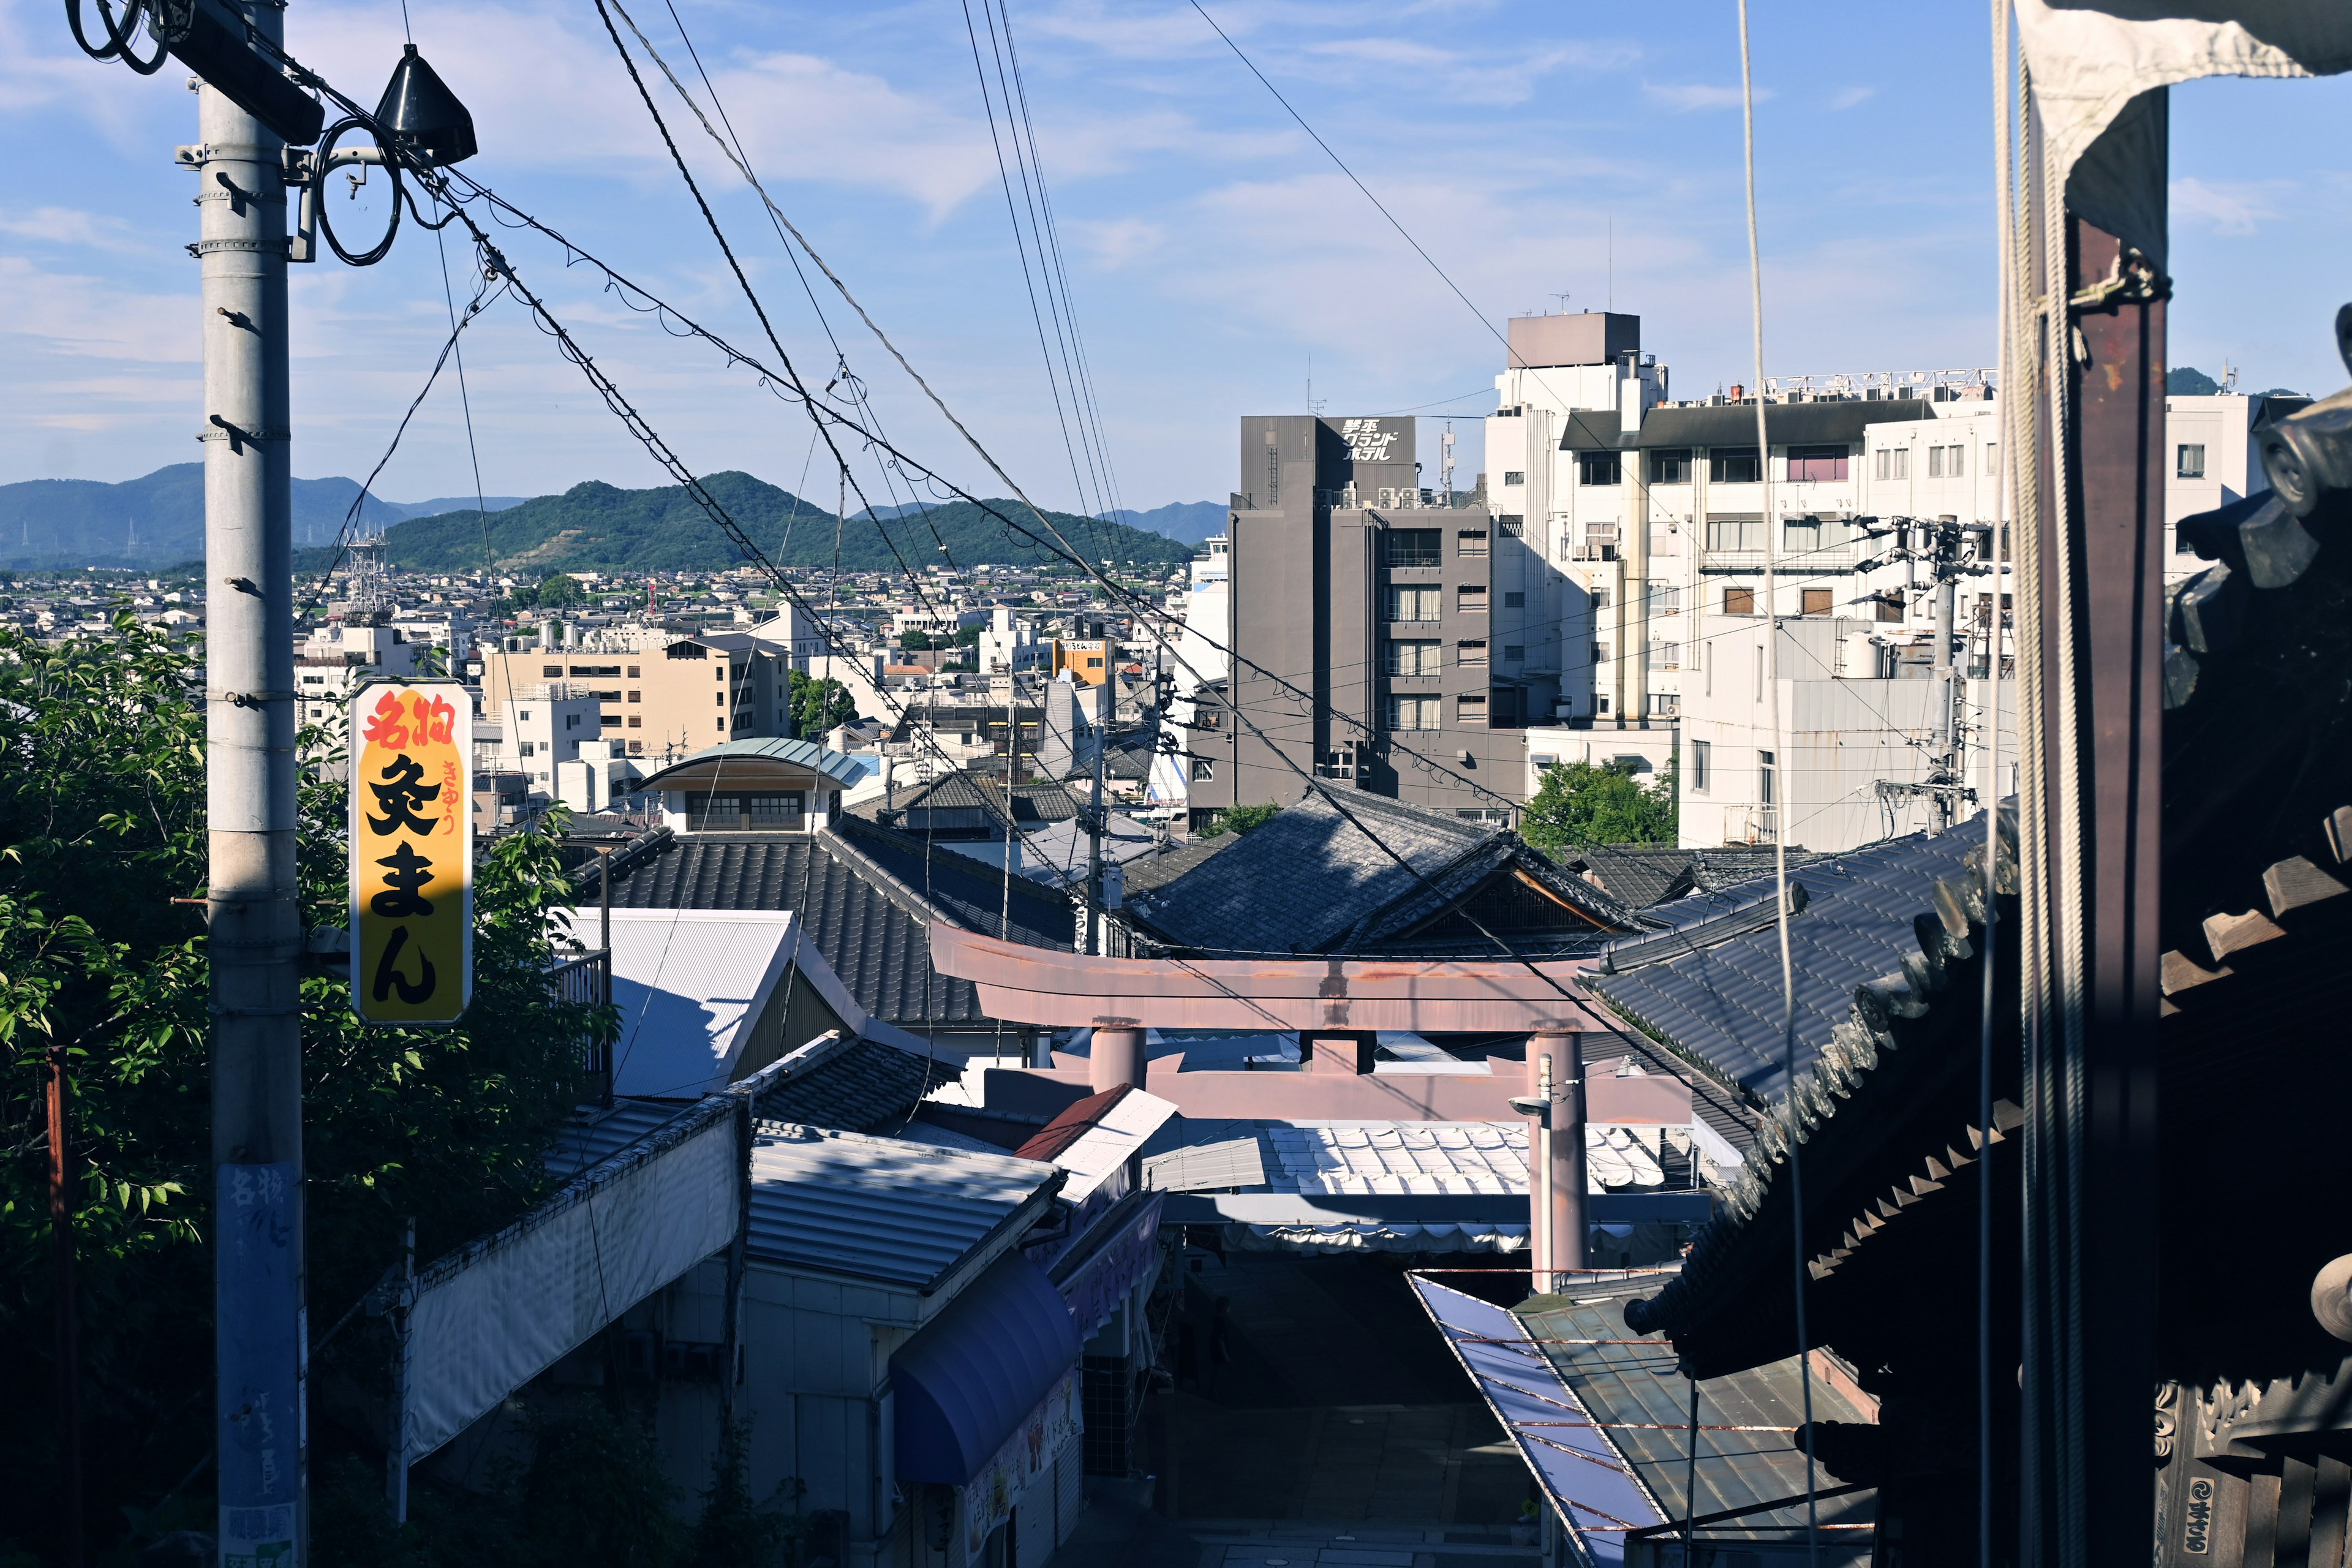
x=1095 y=1155
x=690 y=984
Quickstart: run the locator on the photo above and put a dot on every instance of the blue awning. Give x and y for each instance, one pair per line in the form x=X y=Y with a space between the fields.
x=967 y=1381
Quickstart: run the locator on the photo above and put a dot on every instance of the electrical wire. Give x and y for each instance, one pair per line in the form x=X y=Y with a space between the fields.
x=1780 y=839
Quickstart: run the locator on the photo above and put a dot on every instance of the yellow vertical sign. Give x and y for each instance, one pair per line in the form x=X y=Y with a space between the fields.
x=411 y=838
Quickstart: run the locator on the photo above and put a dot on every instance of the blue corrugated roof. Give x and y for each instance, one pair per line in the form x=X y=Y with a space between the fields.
x=1721 y=1003
x=881 y=1208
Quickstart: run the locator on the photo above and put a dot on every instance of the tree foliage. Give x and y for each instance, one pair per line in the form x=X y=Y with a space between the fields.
x=1238 y=819
x=559 y=589
x=1580 y=804
x=102 y=817
x=819 y=705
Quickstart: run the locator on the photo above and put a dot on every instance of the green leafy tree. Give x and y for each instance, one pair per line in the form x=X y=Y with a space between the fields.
x=1239 y=819
x=1580 y=804
x=559 y=589
x=819 y=705
x=102 y=817
x=914 y=639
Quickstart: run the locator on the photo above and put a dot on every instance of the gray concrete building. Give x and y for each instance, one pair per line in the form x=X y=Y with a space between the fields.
x=1384 y=638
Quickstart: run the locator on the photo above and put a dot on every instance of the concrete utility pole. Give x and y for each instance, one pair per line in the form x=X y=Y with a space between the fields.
x=255 y=942
x=1947 y=561
x=1571 y=1235
x=1105 y=695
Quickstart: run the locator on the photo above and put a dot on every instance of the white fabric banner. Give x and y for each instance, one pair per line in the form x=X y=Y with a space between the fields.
x=488 y=1320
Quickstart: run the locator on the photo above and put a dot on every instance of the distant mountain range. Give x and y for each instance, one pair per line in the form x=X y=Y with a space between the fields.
x=601 y=526
x=1193 y=521
x=1189 y=521
x=159 y=521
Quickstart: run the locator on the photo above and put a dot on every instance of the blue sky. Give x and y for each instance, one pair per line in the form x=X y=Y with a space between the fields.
x=1212 y=248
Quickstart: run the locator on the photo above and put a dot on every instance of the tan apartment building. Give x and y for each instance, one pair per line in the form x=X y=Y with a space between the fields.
x=668 y=699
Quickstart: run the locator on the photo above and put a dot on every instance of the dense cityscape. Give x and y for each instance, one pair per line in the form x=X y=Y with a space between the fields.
x=1590 y=974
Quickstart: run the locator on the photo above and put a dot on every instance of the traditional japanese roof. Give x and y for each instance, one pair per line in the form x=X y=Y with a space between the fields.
x=862 y=913
x=1709 y=988
x=1309 y=880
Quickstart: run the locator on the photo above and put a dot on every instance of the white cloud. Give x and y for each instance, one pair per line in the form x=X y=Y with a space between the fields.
x=1117 y=241
x=1852 y=97
x=2224 y=206
x=66 y=226
x=1686 y=97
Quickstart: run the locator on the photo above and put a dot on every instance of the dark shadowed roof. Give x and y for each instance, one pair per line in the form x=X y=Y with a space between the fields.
x=1715 y=995
x=1637 y=875
x=1735 y=426
x=1310 y=880
x=866 y=1086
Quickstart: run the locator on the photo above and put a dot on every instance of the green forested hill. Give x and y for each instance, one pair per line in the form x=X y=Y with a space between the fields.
x=603 y=527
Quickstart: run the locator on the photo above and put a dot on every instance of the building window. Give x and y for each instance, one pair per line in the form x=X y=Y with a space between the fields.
x=595 y=669
x=1338 y=765
x=720 y=725
x=571 y=721
x=550 y=671
x=1739 y=601
x=1664 y=654
x=1414 y=604
x=1733 y=466
x=527 y=750
x=1934 y=462
x=634 y=675
x=1412 y=547
x=1470 y=653
x=1665 y=600
x=1597 y=469
x=1764 y=778
x=1809 y=464
x=1515 y=477
x=1601 y=653
x=1670 y=466
x=636 y=722
x=1414 y=713
x=636 y=696
x=1470 y=543
x=1470 y=598
x=1736 y=530
x=1471 y=710
x=1513 y=527
x=1992 y=459
x=636 y=748
x=1702 y=764
x=609 y=721
x=1890 y=607
x=2190 y=465
x=1813 y=601
x=1514 y=653
x=776 y=811
x=1412 y=659
x=1515 y=601
x=1203 y=770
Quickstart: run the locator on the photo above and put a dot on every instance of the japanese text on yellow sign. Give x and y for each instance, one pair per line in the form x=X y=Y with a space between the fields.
x=412 y=853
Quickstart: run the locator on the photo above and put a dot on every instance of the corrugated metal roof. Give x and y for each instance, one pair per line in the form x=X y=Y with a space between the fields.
x=1104 y=1142
x=882 y=1208
x=1365 y=1158
x=1722 y=1003
x=1639 y=1394
x=596 y=1133
x=689 y=985
x=835 y=765
x=1232 y=1162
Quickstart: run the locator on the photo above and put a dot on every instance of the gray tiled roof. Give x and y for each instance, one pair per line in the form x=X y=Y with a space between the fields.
x=866 y=1086
x=1309 y=880
x=869 y=924
x=1719 y=1000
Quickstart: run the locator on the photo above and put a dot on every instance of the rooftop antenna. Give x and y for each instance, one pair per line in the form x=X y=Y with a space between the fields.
x=1312 y=405
x=1445 y=466
x=2228 y=376
x=1612 y=261
x=1563 y=298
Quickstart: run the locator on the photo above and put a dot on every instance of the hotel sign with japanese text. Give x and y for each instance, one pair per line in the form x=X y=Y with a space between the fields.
x=412 y=861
